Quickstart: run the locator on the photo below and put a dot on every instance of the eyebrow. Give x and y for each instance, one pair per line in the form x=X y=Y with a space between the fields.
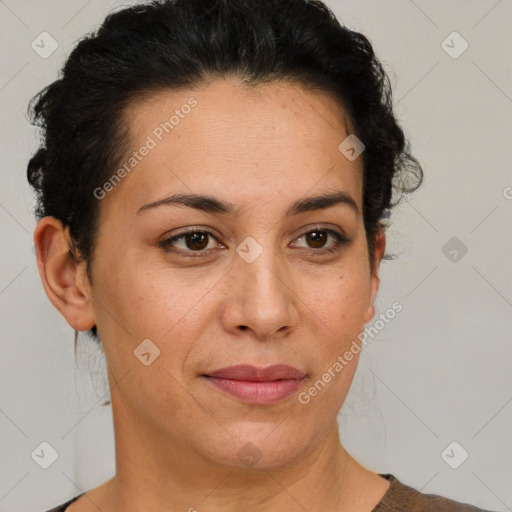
x=211 y=204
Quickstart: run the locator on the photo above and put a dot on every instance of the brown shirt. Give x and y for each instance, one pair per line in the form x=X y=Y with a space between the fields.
x=398 y=498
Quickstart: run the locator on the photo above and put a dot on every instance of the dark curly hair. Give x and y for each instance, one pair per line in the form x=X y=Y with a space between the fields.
x=175 y=44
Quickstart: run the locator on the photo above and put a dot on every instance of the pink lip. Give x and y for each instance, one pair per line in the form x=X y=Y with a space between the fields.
x=258 y=385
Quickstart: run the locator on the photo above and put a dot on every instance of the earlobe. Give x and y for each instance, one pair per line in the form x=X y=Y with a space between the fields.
x=61 y=275
x=370 y=313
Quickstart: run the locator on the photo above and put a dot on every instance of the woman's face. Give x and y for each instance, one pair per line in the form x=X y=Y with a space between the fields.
x=270 y=286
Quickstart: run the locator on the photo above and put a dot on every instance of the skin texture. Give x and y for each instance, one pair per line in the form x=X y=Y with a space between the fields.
x=177 y=436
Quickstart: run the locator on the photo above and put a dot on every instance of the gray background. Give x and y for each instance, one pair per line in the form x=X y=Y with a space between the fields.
x=438 y=373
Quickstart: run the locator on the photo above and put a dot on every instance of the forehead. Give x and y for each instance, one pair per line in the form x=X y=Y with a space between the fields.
x=243 y=142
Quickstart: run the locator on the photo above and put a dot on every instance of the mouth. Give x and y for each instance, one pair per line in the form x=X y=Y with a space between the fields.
x=254 y=385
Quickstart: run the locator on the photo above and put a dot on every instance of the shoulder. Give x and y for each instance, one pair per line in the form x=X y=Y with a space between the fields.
x=401 y=497
x=64 y=506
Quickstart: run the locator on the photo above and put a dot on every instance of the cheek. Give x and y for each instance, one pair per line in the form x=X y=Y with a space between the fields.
x=340 y=298
x=337 y=317
x=172 y=309
x=163 y=301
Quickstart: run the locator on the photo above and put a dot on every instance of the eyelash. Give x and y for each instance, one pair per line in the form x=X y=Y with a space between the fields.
x=339 y=238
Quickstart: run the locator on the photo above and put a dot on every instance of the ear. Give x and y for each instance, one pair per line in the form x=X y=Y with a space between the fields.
x=380 y=246
x=64 y=279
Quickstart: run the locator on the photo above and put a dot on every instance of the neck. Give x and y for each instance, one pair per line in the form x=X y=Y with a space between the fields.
x=156 y=474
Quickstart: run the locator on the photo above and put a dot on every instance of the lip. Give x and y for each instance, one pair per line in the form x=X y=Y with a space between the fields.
x=254 y=385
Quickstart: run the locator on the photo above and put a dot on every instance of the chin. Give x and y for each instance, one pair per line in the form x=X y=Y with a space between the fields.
x=258 y=447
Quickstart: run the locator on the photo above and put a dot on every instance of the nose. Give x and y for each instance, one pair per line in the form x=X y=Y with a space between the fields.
x=260 y=298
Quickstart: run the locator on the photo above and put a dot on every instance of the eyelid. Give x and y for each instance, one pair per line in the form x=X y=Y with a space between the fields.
x=327 y=228
x=188 y=231
x=340 y=240
x=339 y=236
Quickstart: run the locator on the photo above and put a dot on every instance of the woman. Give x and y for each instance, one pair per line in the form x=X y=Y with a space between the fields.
x=212 y=188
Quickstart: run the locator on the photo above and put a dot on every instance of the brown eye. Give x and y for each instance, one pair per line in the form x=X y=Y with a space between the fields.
x=316 y=239
x=196 y=241
x=192 y=243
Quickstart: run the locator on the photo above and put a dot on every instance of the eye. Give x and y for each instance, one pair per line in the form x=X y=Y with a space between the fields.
x=192 y=241
x=318 y=237
x=195 y=243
